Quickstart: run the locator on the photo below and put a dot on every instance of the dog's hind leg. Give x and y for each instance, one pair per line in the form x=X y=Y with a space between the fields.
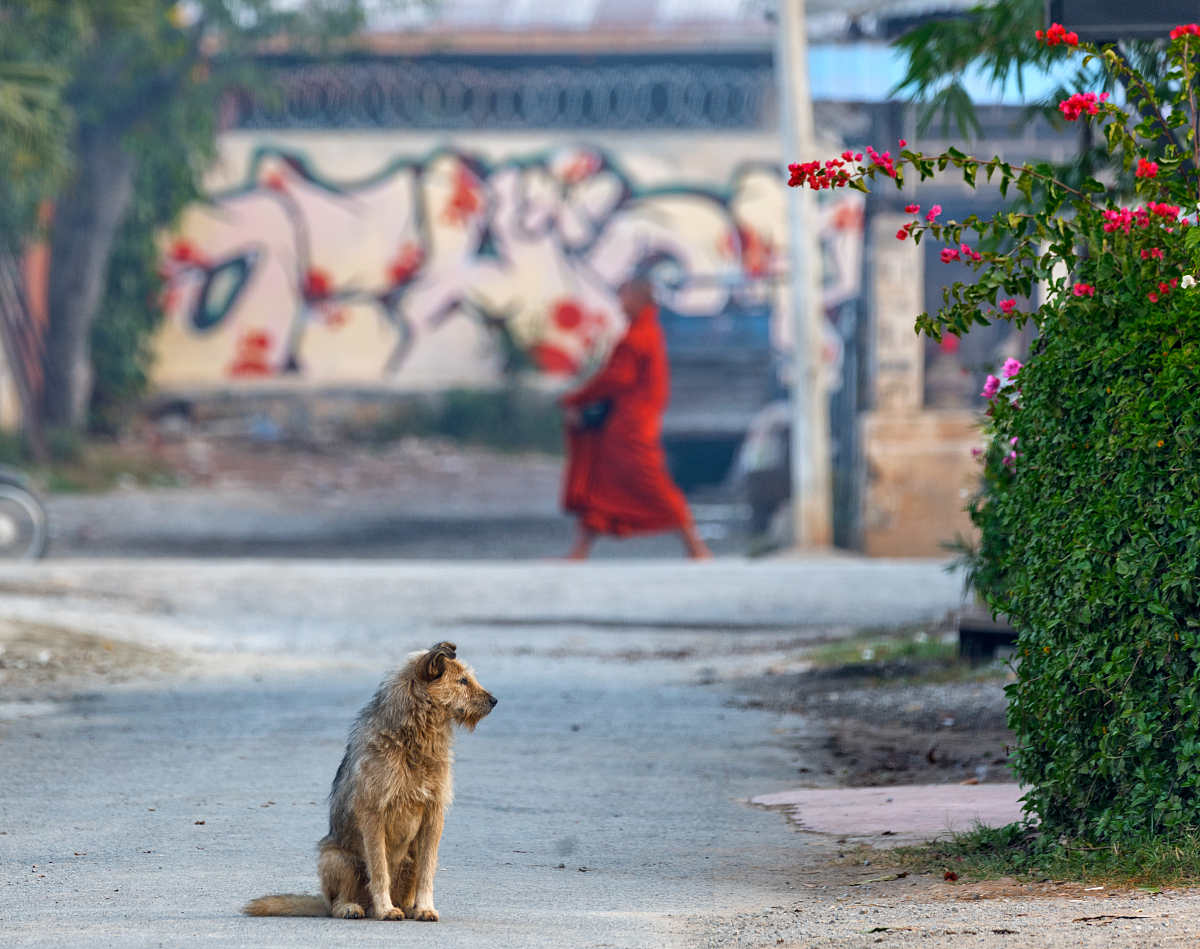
x=379 y=880
x=340 y=881
x=404 y=889
x=424 y=865
x=403 y=882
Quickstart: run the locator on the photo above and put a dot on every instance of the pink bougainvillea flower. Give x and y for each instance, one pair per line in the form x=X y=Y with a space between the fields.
x=949 y=254
x=903 y=143
x=990 y=387
x=1146 y=169
x=912 y=209
x=976 y=452
x=902 y=234
x=1006 y=307
x=884 y=161
x=1118 y=220
x=1013 y=441
x=1010 y=368
x=969 y=254
x=933 y=213
x=1083 y=290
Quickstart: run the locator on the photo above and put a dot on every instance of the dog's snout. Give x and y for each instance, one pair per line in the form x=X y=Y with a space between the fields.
x=492 y=700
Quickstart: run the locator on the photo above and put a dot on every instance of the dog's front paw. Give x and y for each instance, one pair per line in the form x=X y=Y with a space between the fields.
x=395 y=914
x=425 y=915
x=349 y=911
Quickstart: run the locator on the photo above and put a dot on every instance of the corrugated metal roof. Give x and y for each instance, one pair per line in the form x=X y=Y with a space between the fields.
x=727 y=20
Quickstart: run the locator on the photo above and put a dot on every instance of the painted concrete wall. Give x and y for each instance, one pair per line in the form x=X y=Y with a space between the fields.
x=409 y=261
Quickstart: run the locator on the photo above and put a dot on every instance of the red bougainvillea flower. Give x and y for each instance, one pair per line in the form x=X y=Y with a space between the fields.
x=1083 y=290
x=1058 y=34
x=933 y=213
x=1155 y=253
x=912 y=209
x=1190 y=29
x=969 y=254
x=812 y=174
x=1080 y=103
x=850 y=156
x=902 y=234
x=1169 y=211
x=1152 y=297
x=903 y=143
x=949 y=254
x=1146 y=169
x=1006 y=307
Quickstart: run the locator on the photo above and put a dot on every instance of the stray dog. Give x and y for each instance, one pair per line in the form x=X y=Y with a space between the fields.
x=390 y=796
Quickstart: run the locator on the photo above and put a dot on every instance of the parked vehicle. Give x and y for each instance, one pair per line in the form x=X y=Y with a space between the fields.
x=24 y=527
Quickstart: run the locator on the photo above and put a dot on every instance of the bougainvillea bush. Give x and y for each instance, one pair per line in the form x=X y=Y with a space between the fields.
x=1089 y=513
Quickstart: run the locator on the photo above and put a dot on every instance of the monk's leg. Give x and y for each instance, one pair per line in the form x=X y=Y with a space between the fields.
x=693 y=543
x=582 y=548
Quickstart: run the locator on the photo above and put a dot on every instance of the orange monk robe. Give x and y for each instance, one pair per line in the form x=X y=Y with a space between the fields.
x=617 y=480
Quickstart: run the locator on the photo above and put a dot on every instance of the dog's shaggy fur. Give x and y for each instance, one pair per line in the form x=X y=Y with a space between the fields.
x=390 y=796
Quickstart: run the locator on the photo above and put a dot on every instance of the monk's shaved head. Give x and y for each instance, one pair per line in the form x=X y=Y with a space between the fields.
x=635 y=294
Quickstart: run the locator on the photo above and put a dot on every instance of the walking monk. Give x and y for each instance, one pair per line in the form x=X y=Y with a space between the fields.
x=617 y=480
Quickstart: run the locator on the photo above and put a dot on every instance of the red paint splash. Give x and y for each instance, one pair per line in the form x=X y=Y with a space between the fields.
x=466 y=198
x=758 y=253
x=251 y=358
x=552 y=360
x=318 y=284
x=407 y=262
x=568 y=315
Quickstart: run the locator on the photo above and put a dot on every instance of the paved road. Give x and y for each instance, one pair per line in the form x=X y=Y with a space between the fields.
x=194 y=522
x=599 y=805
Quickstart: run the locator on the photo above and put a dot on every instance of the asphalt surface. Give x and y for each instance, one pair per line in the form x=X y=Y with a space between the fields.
x=603 y=803
x=525 y=523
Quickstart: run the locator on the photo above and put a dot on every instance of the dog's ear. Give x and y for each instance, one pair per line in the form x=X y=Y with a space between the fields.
x=435 y=660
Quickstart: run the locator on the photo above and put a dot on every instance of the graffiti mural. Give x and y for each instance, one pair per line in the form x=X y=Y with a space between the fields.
x=433 y=272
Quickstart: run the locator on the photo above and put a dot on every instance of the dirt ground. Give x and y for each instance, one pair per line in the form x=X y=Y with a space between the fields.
x=861 y=724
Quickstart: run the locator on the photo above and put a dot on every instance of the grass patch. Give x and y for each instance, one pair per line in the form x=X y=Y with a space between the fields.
x=96 y=466
x=912 y=655
x=1022 y=851
x=508 y=420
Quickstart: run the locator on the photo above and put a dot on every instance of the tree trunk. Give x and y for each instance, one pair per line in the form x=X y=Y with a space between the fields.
x=86 y=219
x=22 y=343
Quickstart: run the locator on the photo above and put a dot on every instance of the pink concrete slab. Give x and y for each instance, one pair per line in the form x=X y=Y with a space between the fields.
x=923 y=811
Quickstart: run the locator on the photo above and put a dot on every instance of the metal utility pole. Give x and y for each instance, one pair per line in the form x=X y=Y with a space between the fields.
x=812 y=506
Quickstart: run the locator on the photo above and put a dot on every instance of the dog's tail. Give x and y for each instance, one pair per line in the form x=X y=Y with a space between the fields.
x=288 y=904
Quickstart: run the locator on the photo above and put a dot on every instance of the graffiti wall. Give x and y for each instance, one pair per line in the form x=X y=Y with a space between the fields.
x=438 y=270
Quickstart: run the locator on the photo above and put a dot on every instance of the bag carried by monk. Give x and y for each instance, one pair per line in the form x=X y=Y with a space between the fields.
x=594 y=414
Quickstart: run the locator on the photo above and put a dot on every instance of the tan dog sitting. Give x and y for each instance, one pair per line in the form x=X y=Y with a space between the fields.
x=390 y=796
